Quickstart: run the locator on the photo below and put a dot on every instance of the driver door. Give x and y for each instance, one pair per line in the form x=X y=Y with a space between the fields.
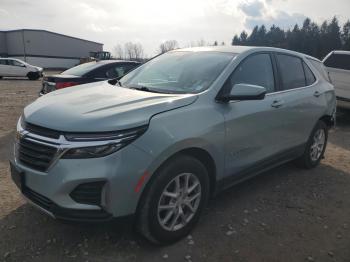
x=253 y=128
x=16 y=68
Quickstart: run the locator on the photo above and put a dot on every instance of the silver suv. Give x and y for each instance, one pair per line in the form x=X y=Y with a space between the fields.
x=170 y=134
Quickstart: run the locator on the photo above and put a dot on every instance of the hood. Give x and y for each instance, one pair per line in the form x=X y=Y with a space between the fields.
x=98 y=107
x=33 y=66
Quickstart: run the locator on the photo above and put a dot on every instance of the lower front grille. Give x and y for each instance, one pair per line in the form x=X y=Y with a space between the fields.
x=66 y=213
x=35 y=155
x=38 y=199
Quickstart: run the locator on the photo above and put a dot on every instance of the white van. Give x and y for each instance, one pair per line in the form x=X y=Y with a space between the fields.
x=16 y=67
x=338 y=67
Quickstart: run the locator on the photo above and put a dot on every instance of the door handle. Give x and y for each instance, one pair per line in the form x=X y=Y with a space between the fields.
x=277 y=103
x=317 y=94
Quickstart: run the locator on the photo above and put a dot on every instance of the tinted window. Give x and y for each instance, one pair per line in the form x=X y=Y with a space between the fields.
x=82 y=69
x=2 y=62
x=338 y=61
x=255 y=70
x=320 y=68
x=291 y=70
x=14 y=63
x=119 y=70
x=309 y=76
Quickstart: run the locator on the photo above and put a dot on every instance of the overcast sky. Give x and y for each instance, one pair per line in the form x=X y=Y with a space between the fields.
x=152 y=21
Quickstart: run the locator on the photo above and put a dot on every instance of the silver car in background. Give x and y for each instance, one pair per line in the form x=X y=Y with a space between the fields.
x=170 y=134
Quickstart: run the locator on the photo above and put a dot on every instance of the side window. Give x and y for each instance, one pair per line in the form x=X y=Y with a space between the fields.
x=119 y=70
x=3 y=62
x=339 y=61
x=14 y=63
x=255 y=70
x=291 y=70
x=309 y=76
x=320 y=68
x=99 y=72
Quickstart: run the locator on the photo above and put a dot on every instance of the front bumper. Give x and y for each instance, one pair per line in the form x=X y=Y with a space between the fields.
x=50 y=191
x=49 y=207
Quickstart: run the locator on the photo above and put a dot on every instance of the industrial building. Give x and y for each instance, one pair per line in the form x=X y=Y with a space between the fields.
x=44 y=48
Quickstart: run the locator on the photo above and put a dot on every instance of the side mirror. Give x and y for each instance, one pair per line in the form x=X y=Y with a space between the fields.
x=23 y=65
x=246 y=92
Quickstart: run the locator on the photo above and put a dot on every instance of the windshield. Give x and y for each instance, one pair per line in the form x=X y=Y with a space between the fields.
x=178 y=72
x=81 y=70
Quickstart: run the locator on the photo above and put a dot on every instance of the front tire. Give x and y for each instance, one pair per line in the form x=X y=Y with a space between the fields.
x=33 y=76
x=315 y=147
x=174 y=200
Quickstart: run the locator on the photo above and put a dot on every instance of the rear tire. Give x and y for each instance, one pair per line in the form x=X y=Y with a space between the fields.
x=164 y=219
x=315 y=147
x=33 y=76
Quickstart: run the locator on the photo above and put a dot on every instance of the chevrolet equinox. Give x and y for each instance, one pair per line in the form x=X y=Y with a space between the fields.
x=160 y=141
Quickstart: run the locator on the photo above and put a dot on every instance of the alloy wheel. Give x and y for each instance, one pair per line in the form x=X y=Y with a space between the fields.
x=318 y=144
x=179 y=202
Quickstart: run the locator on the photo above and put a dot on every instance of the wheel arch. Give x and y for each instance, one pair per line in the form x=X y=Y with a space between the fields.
x=196 y=152
x=328 y=120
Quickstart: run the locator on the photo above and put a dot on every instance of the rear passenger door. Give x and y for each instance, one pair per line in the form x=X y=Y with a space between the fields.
x=3 y=67
x=301 y=99
x=338 y=66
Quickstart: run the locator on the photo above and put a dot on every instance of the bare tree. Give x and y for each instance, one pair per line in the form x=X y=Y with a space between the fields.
x=138 y=51
x=129 y=50
x=197 y=43
x=168 y=46
x=133 y=51
x=119 y=52
x=201 y=43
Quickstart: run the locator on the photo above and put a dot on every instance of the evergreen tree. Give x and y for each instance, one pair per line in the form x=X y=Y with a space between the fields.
x=346 y=36
x=310 y=39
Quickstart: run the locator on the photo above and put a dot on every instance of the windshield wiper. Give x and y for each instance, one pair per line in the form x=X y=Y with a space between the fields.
x=144 y=88
x=115 y=81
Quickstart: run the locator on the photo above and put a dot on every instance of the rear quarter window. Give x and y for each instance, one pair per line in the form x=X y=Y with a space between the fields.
x=319 y=66
x=309 y=75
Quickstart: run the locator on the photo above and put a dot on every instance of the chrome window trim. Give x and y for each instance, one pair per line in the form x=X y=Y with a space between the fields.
x=294 y=89
x=281 y=92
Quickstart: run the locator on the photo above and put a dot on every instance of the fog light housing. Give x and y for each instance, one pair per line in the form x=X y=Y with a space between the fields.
x=88 y=193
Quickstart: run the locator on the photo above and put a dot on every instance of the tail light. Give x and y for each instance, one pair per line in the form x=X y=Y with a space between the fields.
x=61 y=85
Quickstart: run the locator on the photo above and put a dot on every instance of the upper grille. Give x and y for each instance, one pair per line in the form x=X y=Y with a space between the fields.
x=42 y=131
x=35 y=155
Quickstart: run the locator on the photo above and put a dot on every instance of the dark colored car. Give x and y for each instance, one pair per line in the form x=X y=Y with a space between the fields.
x=87 y=73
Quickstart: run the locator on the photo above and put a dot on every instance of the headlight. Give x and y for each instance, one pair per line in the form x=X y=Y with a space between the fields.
x=113 y=142
x=92 y=151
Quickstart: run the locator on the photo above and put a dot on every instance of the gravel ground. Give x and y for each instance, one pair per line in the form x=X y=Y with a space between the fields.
x=286 y=214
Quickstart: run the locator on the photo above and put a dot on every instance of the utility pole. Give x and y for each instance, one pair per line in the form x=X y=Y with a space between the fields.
x=24 y=46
